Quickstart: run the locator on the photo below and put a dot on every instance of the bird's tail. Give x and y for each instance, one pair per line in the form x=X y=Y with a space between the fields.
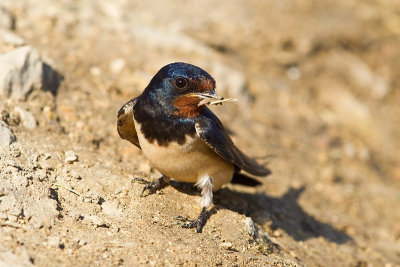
x=251 y=166
x=243 y=179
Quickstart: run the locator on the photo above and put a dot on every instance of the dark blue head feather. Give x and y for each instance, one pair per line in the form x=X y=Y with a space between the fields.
x=180 y=69
x=162 y=88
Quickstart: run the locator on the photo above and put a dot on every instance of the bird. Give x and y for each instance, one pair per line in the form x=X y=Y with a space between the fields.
x=181 y=137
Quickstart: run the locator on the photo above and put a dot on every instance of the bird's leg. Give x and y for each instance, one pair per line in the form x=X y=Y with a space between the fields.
x=154 y=185
x=206 y=186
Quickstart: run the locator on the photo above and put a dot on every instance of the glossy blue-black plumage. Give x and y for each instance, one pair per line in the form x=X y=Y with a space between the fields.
x=173 y=70
x=154 y=109
x=211 y=131
x=161 y=88
x=155 y=112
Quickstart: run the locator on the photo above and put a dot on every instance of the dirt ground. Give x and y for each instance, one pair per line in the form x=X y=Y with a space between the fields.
x=318 y=87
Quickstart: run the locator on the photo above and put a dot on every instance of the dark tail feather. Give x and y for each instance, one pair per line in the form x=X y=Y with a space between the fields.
x=240 y=178
x=251 y=166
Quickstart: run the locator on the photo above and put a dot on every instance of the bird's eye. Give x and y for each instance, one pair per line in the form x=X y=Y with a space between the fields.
x=180 y=82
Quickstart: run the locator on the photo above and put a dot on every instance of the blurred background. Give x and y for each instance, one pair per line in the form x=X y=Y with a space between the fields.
x=318 y=89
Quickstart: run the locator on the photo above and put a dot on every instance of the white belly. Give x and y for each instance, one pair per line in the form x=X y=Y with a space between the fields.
x=188 y=162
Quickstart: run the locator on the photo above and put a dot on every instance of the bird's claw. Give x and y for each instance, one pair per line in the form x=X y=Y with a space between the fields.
x=198 y=224
x=186 y=223
x=152 y=186
x=140 y=180
x=182 y=219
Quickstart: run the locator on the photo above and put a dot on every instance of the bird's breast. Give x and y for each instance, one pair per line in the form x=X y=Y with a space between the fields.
x=188 y=161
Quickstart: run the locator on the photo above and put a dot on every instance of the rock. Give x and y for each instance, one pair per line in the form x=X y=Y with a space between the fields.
x=10 y=38
x=70 y=156
x=6 y=136
x=28 y=120
x=21 y=70
x=226 y=245
x=250 y=227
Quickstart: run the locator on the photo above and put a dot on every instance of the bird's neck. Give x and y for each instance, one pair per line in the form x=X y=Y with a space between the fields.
x=158 y=124
x=187 y=107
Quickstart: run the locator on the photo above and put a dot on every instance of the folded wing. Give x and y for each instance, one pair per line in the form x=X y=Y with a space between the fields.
x=125 y=123
x=212 y=132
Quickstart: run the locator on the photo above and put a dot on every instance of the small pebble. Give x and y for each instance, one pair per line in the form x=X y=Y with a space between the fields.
x=6 y=135
x=226 y=245
x=28 y=120
x=70 y=157
x=251 y=228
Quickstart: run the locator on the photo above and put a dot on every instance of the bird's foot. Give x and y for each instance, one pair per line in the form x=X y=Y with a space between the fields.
x=198 y=224
x=154 y=185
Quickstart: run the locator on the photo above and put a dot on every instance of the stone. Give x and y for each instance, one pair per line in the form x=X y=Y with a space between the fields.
x=250 y=227
x=28 y=120
x=10 y=38
x=6 y=135
x=21 y=70
x=70 y=156
x=226 y=245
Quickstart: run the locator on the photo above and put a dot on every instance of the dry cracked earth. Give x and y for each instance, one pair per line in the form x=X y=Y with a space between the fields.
x=318 y=88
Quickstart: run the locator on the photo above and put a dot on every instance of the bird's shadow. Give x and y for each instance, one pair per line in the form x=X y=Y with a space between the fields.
x=282 y=212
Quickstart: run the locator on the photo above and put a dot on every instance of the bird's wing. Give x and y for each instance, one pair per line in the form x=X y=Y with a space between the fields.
x=212 y=132
x=125 y=123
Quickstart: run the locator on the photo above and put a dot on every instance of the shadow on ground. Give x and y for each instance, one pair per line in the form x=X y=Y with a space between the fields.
x=284 y=212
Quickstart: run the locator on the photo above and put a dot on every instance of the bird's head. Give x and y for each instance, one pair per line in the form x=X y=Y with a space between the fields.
x=182 y=88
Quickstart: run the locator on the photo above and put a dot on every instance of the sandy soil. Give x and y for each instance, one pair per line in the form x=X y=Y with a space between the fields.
x=319 y=102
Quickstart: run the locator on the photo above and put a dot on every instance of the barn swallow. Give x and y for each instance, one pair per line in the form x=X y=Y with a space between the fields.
x=180 y=136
